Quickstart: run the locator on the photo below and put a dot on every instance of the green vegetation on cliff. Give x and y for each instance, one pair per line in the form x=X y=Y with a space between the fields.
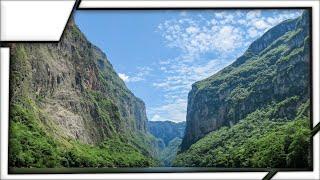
x=31 y=146
x=249 y=113
x=69 y=108
x=257 y=141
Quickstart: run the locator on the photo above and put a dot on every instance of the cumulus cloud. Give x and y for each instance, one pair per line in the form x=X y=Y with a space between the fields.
x=156 y=117
x=195 y=39
x=124 y=77
x=192 y=29
x=261 y=24
x=140 y=75
x=254 y=19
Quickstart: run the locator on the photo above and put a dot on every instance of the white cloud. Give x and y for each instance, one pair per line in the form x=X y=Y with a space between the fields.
x=252 y=32
x=127 y=78
x=226 y=34
x=170 y=112
x=140 y=75
x=164 y=62
x=195 y=39
x=180 y=76
x=208 y=69
x=124 y=77
x=219 y=14
x=214 y=21
x=261 y=24
x=135 y=79
x=277 y=18
x=272 y=20
x=228 y=19
x=176 y=85
x=192 y=29
x=228 y=39
x=242 y=21
x=156 y=117
x=253 y=14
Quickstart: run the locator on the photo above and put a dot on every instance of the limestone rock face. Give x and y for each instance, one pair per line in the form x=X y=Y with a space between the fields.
x=77 y=91
x=274 y=67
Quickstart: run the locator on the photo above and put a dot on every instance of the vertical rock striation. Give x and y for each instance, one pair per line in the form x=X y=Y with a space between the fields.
x=73 y=94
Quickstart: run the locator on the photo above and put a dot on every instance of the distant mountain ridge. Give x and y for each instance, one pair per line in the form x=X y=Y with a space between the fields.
x=166 y=130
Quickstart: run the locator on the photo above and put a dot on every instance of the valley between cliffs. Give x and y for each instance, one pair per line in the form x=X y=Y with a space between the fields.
x=69 y=108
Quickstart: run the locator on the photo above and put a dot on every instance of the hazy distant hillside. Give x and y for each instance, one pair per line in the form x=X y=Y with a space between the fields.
x=170 y=134
x=166 y=130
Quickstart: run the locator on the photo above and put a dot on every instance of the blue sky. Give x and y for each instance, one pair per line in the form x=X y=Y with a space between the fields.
x=161 y=53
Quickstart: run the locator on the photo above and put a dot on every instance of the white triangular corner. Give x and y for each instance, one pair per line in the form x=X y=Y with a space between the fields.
x=25 y=20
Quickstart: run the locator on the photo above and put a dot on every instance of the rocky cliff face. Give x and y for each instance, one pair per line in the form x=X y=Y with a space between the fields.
x=274 y=68
x=74 y=93
x=69 y=80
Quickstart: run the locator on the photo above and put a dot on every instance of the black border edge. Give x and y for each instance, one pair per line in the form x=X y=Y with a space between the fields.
x=271 y=172
x=74 y=8
x=270 y=175
x=315 y=130
x=311 y=85
x=76 y=5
